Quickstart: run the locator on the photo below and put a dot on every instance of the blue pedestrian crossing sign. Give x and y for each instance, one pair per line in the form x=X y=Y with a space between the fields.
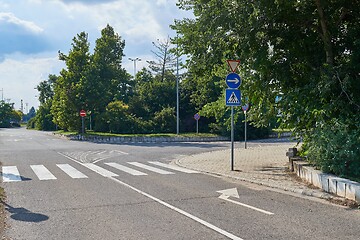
x=233 y=80
x=232 y=97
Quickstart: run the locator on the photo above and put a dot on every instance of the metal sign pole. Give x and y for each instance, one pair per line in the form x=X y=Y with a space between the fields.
x=82 y=125
x=197 y=126
x=245 y=129
x=232 y=138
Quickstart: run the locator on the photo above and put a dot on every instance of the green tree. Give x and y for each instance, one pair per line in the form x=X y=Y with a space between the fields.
x=108 y=81
x=306 y=52
x=69 y=97
x=43 y=118
x=6 y=113
x=165 y=59
x=152 y=95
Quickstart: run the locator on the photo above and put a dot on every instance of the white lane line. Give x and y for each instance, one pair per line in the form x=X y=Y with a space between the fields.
x=126 y=169
x=10 y=174
x=101 y=159
x=42 y=172
x=125 y=153
x=152 y=169
x=203 y=222
x=71 y=171
x=99 y=170
x=207 y=224
x=173 y=167
x=226 y=198
x=99 y=152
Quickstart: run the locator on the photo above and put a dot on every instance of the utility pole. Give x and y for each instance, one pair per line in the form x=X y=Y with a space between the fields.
x=134 y=60
x=2 y=94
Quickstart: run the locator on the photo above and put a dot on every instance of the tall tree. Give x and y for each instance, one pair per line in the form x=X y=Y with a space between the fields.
x=305 y=51
x=108 y=81
x=44 y=119
x=46 y=89
x=306 y=54
x=165 y=58
x=69 y=97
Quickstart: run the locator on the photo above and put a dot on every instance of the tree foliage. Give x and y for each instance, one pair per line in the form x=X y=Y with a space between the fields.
x=90 y=81
x=9 y=116
x=69 y=98
x=305 y=53
x=165 y=58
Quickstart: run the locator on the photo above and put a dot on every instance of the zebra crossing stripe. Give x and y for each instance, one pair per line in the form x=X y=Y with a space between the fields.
x=71 y=171
x=157 y=170
x=173 y=167
x=42 y=172
x=126 y=169
x=10 y=174
x=99 y=170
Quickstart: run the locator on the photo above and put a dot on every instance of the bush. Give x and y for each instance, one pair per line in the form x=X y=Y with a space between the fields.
x=31 y=124
x=335 y=148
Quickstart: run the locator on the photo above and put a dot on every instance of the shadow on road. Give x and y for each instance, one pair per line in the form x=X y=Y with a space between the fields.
x=24 y=215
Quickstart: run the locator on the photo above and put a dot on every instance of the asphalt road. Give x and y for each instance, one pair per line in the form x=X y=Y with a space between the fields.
x=62 y=191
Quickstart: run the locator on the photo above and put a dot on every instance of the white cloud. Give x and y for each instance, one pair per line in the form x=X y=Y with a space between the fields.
x=37 y=29
x=8 y=17
x=20 y=74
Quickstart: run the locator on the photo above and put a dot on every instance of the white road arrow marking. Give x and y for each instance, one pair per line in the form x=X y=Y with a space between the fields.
x=225 y=194
x=236 y=80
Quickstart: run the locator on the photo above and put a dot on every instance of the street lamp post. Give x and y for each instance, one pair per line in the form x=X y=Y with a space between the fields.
x=177 y=92
x=134 y=60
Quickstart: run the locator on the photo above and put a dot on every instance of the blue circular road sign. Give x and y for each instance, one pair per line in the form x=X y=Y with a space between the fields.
x=245 y=107
x=233 y=80
x=197 y=116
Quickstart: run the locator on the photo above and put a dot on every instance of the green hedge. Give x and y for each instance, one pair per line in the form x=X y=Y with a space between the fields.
x=335 y=148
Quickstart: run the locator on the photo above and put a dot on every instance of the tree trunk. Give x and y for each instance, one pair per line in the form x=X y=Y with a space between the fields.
x=325 y=34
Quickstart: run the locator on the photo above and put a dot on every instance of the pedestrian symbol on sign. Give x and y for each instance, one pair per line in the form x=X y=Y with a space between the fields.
x=232 y=97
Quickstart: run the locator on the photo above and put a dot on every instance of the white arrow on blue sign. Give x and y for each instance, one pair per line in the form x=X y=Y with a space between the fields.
x=233 y=80
x=232 y=97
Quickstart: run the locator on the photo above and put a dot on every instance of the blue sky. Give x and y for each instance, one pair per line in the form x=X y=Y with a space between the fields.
x=33 y=31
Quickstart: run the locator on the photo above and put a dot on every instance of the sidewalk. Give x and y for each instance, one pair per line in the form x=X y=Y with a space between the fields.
x=264 y=164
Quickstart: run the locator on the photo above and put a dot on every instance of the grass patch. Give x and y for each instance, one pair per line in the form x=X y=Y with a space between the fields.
x=281 y=130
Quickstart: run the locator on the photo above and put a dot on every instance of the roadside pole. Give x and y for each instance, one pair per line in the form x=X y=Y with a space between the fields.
x=197 y=118
x=245 y=108
x=245 y=128
x=82 y=115
x=82 y=125
x=232 y=99
x=232 y=138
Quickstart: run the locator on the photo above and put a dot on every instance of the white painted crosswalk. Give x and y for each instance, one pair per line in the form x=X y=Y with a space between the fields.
x=102 y=171
x=152 y=169
x=12 y=174
x=126 y=169
x=71 y=171
x=42 y=172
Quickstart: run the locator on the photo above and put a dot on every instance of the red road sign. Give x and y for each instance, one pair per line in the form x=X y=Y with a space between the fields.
x=233 y=64
x=82 y=113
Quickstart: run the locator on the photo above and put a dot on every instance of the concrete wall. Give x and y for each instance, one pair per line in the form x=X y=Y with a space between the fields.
x=100 y=139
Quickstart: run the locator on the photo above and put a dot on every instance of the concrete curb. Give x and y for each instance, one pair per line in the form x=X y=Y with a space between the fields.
x=329 y=183
x=305 y=192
